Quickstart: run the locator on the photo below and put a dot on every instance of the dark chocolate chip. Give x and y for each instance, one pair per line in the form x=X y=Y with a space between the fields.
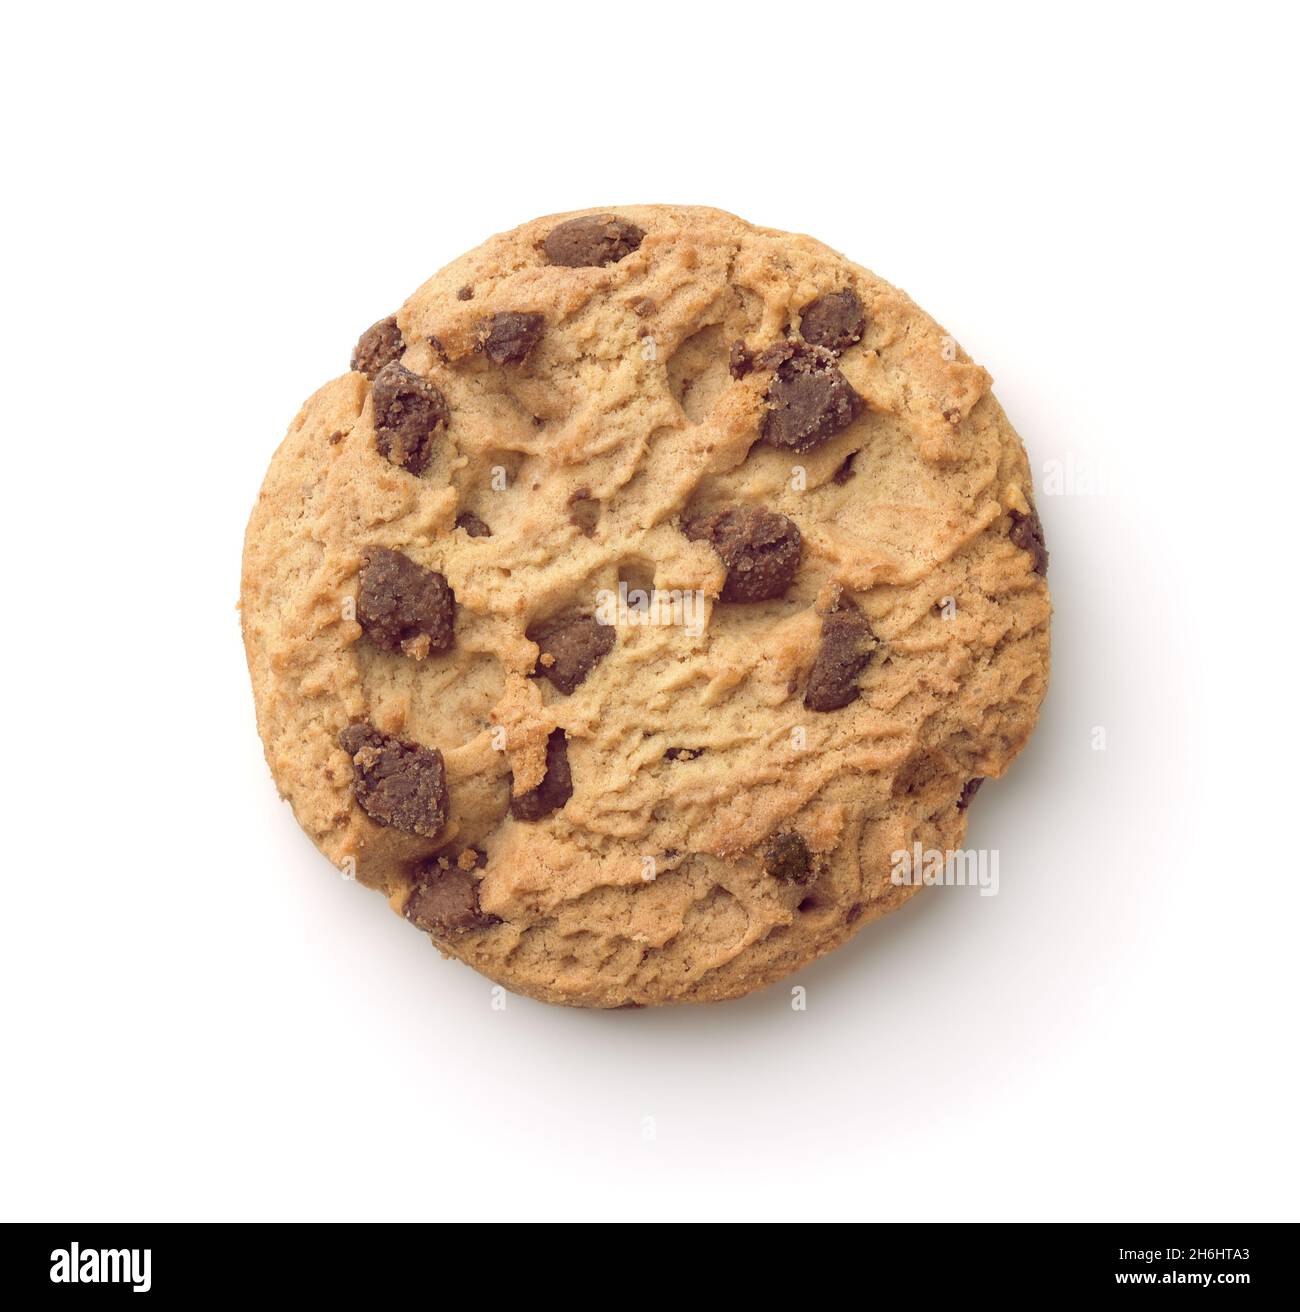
x=846 y=647
x=1027 y=534
x=445 y=900
x=683 y=753
x=397 y=783
x=403 y=605
x=772 y=357
x=787 y=858
x=739 y=361
x=556 y=787
x=576 y=645
x=408 y=411
x=968 y=790
x=508 y=338
x=472 y=524
x=379 y=345
x=809 y=400
x=466 y=293
x=759 y=548
x=834 y=321
x=594 y=240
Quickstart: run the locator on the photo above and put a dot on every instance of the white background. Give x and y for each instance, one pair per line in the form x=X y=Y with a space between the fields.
x=203 y=209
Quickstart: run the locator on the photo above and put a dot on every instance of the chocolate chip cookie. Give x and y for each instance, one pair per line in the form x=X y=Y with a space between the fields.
x=647 y=583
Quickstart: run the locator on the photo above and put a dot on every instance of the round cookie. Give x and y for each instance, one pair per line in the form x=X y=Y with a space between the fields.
x=650 y=581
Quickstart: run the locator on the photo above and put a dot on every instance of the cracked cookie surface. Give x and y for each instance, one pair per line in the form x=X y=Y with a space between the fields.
x=806 y=516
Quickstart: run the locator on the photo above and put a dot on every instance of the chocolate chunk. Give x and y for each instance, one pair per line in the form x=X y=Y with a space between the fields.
x=403 y=605
x=576 y=645
x=739 y=361
x=787 y=858
x=445 y=900
x=683 y=753
x=772 y=357
x=508 y=338
x=846 y=647
x=969 y=789
x=594 y=240
x=556 y=787
x=472 y=524
x=1027 y=534
x=809 y=400
x=759 y=548
x=643 y=306
x=398 y=784
x=834 y=321
x=466 y=293
x=379 y=345
x=408 y=411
